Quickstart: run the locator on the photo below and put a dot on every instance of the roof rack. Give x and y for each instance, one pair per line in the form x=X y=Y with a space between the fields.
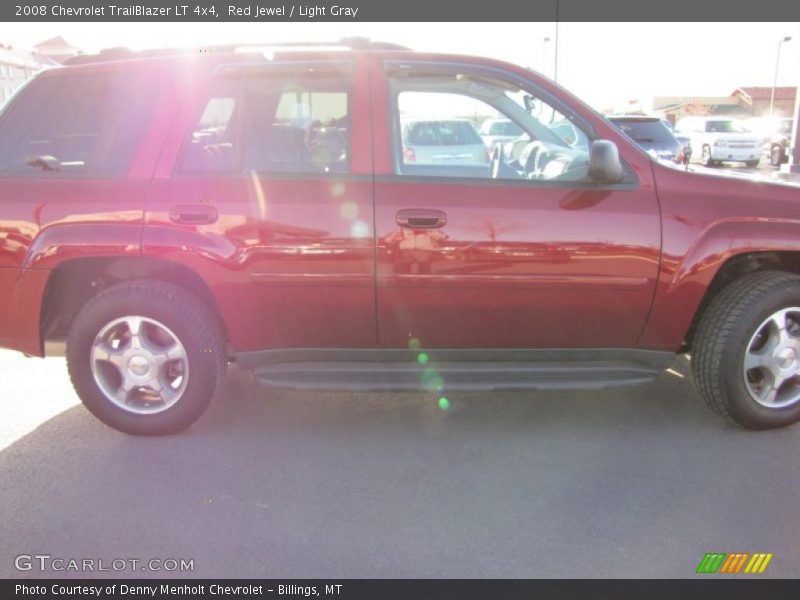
x=122 y=53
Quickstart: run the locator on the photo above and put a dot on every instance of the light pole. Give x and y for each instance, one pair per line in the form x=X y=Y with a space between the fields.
x=555 y=52
x=544 y=54
x=775 y=80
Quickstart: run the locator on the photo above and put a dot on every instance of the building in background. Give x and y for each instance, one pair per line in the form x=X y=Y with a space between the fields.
x=17 y=66
x=744 y=102
x=758 y=98
x=15 y=69
x=56 y=49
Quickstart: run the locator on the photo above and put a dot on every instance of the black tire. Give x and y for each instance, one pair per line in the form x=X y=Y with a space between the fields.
x=752 y=163
x=706 y=157
x=195 y=326
x=721 y=341
x=776 y=156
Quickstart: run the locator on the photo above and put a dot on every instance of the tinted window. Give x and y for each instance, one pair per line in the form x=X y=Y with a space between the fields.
x=272 y=125
x=645 y=131
x=214 y=142
x=297 y=125
x=724 y=127
x=86 y=125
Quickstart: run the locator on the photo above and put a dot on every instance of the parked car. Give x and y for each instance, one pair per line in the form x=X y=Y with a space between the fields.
x=775 y=135
x=499 y=131
x=451 y=142
x=780 y=142
x=165 y=214
x=652 y=134
x=714 y=140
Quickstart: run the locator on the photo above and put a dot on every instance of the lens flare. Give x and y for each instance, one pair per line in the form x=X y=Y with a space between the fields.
x=359 y=229
x=423 y=358
x=444 y=403
x=337 y=190
x=348 y=210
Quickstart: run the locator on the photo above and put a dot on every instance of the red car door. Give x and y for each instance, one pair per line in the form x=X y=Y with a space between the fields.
x=526 y=252
x=265 y=190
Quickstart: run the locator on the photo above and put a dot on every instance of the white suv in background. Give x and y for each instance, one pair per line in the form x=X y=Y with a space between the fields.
x=717 y=139
x=499 y=131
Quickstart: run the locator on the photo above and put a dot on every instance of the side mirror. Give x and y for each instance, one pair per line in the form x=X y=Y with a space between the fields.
x=604 y=163
x=530 y=103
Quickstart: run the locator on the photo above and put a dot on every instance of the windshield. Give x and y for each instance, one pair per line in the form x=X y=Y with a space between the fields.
x=726 y=126
x=505 y=128
x=647 y=131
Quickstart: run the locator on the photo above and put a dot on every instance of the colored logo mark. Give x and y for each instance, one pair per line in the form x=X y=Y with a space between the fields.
x=736 y=562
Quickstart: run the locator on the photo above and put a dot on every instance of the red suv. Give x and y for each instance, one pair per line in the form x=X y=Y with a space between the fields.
x=165 y=214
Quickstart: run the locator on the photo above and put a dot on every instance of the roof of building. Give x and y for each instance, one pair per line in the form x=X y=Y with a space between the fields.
x=765 y=93
x=55 y=42
x=19 y=58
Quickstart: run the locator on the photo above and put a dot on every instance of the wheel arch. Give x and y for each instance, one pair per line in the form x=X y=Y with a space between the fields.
x=736 y=267
x=73 y=282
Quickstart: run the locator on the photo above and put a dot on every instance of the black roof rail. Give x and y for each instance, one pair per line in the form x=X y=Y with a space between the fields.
x=122 y=53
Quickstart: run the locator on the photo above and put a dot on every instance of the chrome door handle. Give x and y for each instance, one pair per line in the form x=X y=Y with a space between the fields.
x=421 y=218
x=193 y=214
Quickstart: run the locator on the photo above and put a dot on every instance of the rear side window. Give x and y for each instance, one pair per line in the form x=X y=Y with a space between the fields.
x=441 y=133
x=83 y=125
x=273 y=125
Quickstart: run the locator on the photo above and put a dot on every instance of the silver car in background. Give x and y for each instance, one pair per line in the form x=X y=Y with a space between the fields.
x=436 y=142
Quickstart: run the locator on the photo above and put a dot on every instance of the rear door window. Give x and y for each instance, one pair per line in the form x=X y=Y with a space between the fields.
x=297 y=125
x=272 y=125
x=214 y=142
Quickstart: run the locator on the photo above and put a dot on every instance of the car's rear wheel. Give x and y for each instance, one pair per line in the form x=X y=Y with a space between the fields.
x=706 y=157
x=146 y=357
x=752 y=163
x=746 y=360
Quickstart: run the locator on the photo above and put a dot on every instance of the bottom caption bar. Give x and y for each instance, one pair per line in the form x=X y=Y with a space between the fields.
x=397 y=589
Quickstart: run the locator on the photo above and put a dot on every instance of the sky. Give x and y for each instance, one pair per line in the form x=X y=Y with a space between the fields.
x=606 y=64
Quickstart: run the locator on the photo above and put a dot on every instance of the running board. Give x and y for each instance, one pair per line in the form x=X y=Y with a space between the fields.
x=376 y=376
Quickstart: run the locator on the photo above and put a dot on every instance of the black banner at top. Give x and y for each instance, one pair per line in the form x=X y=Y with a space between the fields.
x=397 y=10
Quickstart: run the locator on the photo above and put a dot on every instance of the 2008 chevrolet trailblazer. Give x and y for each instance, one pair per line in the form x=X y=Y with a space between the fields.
x=165 y=213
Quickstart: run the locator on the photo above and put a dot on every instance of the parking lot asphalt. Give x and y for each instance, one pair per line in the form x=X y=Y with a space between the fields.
x=630 y=482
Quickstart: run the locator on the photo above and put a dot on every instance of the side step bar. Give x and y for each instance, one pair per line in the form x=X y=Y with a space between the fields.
x=439 y=372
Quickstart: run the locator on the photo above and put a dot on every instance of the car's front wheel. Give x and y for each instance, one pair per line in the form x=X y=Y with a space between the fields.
x=752 y=163
x=706 y=158
x=146 y=357
x=746 y=358
x=776 y=156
